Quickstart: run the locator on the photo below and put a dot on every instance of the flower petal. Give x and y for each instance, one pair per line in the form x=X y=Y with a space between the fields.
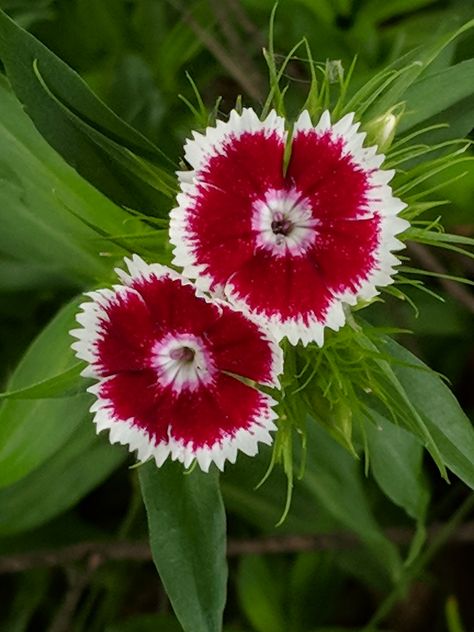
x=288 y=249
x=233 y=162
x=173 y=302
x=201 y=147
x=216 y=425
x=172 y=360
x=288 y=295
x=207 y=425
x=129 y=405
x=346 y=253
x=116 y=332
x=327 y=176
x=242 y=347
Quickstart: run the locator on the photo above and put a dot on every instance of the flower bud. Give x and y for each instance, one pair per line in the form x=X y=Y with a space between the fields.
x=381 y=131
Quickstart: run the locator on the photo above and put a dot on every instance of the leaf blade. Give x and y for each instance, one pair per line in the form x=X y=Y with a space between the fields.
x=444 y=418
x=31 y=432
x=186 y=520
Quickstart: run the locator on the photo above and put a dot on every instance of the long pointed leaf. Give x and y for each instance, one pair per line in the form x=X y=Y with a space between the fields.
x=186 y=520
x=19 y=52
x=64 y=384
x=448 y=425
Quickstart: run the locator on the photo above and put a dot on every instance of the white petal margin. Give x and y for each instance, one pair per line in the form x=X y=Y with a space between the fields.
x=381 y=200
x=199 y=148
x=245 y=440
x=301 y=329
x=125 y=432
x=140 y=270
x=197 y=152
x=92 y=317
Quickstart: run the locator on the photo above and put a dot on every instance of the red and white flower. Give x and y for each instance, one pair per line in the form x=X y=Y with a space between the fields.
x=175 y=370
x=287 y=240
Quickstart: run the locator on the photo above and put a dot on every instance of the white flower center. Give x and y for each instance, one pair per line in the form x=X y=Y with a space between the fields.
x=183 y=361
x=284 y=222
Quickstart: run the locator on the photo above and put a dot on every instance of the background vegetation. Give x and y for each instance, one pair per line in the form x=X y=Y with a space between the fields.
x=72 y=524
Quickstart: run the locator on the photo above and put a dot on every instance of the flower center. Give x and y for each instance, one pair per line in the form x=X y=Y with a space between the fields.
x=183 y=361
x=284 y=223
x=183 y=354
x=281 y=225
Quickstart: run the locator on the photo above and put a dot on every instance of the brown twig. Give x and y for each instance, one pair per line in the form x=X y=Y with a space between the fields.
x=102 y=551
x=432 y=264
x=230 y=32
x=245 y=22
x=237 y=47
x=251 y=87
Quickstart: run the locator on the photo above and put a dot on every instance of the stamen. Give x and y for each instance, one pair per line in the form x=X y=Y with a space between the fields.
x=281 y=225
x=284 y=223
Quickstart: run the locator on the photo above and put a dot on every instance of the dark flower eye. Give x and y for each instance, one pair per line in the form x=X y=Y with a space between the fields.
x=168 y=361
x=288 y=248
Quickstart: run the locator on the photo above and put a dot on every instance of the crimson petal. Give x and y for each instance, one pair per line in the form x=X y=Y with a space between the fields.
x=117 y=332
x=290 y=249
x=169 y=361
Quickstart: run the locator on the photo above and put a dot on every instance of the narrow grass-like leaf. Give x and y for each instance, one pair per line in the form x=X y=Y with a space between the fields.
x=330 y=496
x=422 y=60
x=150 y=174
x=19 y=51
x=49 y=214
x=437 y=275
x=437 y=92
x=397 y=401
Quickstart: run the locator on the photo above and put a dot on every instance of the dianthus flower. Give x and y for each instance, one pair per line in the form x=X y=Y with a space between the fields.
x=175 y=370
x=287 y=234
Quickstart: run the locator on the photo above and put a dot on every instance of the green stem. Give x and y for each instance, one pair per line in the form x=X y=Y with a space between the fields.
x=412 y=571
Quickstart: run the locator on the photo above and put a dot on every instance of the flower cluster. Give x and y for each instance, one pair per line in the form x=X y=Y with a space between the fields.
x=278 y=232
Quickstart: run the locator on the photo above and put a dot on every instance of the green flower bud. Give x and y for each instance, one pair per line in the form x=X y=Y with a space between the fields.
x=381 y=131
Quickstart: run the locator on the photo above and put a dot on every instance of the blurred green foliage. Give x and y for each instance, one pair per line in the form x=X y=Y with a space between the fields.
x=71 y=486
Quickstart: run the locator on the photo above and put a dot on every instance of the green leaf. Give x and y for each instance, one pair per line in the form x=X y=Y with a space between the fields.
x=19 y=52
x=396 y=458
x=336 y=483
x=444 y=418
x=144 y=171
x=329 y=497
x=460 y=120
x=260 y=595
x=416 y=63
x=399 y=402
x=47 y=209
x=66 y=477
x=32 y=431
x=64 y=384
x=375 y=11
x=437 y=92
x=186 y=520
